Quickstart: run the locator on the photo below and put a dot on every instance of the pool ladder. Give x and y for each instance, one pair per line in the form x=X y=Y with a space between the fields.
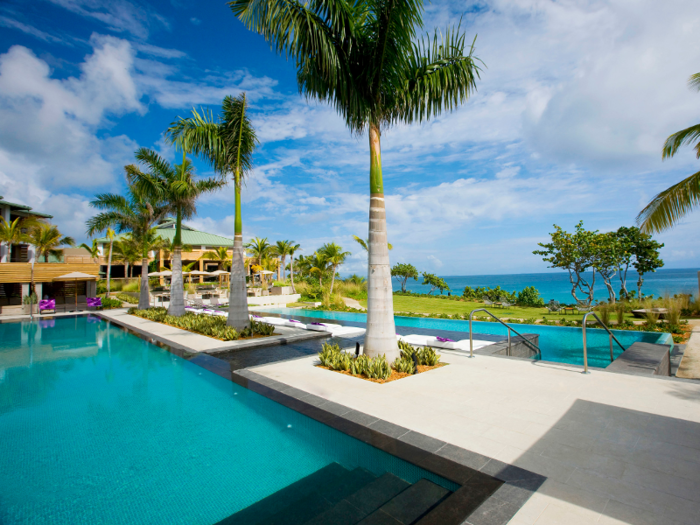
x=585 y=349
x=510 y=329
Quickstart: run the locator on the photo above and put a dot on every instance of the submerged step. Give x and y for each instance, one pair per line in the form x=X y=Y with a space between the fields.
x=363 y=502
x=322 y=499
x=410 y=505
x=270 y=505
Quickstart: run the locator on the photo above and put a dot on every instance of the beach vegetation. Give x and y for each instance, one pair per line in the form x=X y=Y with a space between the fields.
x=435 y=282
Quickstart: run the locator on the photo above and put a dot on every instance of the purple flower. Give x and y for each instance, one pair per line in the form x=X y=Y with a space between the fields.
x=444 y=340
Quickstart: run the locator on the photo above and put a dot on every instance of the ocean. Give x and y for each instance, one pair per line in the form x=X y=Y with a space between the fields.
x=556 y=285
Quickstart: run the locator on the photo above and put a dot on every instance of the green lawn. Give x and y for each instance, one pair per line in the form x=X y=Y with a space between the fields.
x=433 y=305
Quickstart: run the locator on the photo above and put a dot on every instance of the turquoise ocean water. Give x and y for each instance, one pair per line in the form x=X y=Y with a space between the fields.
x=556 y=285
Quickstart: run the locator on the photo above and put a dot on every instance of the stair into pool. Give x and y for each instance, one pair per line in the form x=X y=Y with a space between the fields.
x=335 y=495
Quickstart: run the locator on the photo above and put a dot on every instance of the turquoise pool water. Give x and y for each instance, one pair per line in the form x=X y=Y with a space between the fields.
x=98 y=426
x=559 y=344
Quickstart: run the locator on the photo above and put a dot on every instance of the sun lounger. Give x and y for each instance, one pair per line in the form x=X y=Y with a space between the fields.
x=279 y=321
x=322 y=327
x=348 y=331
x=442 y=342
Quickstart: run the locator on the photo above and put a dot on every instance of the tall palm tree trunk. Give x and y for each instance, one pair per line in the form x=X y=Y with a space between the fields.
x=238 y=300
x=109 y=266
x=144 y=295
x=381 y=331
x=291 y=272
x=177 y=290
x=283 y=258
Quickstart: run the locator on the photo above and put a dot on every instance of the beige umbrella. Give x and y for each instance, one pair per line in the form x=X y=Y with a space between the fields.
x=76 y=276
x=219 y=273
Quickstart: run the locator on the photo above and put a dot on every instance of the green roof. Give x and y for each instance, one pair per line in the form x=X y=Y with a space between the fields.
x=23 y=209
x=166 y=230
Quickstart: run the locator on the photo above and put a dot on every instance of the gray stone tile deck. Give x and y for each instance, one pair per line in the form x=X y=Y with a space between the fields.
x=615 y=448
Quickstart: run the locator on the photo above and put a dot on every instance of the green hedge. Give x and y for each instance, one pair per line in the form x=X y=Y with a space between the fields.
x=209 y=325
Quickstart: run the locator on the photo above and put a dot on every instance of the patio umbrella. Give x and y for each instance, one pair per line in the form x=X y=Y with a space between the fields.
x=219 y=273
x=76 y=276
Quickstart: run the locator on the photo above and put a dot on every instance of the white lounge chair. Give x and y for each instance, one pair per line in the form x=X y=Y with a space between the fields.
x=441 y=342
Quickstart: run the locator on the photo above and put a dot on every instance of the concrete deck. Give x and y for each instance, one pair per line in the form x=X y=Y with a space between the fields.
x=196 y=343
x=614 y=448
x=690 y=364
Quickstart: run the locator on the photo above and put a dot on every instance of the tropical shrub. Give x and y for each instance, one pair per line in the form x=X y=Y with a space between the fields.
x=404 y=365
x=209 y=325
x=334 y=358
x=425 y=356
x=108 y=303
x=530 y=296
x=127 y=298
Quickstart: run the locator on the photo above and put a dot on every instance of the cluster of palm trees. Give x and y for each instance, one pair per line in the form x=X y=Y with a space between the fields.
x=46 y=238
x=323 y=263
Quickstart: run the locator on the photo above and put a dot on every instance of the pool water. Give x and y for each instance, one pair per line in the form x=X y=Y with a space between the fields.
x=99 y=426
x=558 y=343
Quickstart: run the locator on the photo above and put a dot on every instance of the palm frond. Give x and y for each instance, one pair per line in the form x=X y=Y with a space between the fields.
x=440 y=75
x=694 y=81
x=670 y=206
x=678 y=139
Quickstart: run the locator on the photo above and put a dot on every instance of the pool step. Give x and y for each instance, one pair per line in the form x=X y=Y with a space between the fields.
x=335 y=495
x=408 y=506
x=266 y=507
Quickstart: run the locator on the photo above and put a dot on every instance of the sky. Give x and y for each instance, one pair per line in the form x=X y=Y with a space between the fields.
x=573 y=106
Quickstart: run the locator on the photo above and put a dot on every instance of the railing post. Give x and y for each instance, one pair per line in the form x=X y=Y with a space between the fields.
x=585 y=351
x=611 y=347
x=471 y=338
x=509 y=350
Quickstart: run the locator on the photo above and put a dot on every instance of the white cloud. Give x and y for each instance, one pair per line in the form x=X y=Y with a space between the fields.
x=25 y=28
x=434 y=261
x=117 y=15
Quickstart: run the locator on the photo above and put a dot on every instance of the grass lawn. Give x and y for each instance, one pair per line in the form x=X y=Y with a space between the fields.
x=433 y=305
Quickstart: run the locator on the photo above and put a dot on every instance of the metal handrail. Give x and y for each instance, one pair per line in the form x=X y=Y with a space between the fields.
x=471 y=338
x=585 y=349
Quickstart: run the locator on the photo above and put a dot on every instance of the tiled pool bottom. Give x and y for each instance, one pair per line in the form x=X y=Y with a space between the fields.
x=558 y=344
x=99 y=426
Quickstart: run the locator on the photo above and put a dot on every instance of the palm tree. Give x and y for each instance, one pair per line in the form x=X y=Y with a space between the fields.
x=282 y=249
x=134 y=213
x=17 y=231
x=127 y=252
x=177 y=186
x=258 y=249
x=362 y=242
x=334 y=256
x=365 y=60
x=292 y=250
x=93 y=250
x=318 y=265
x=671 y=205
x=46 y=239
x=168 y=250
x=110 y=234
x=228 y=144
x=220 y=255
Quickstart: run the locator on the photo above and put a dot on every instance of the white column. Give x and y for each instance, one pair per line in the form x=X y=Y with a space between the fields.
x=4 y=248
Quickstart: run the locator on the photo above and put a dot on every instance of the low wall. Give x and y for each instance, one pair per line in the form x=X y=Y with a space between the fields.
x=274 y=300
x=518 y=348
x=645 y=359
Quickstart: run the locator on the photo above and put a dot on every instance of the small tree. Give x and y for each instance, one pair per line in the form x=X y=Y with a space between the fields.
x=403 y=272
x=575 y=253
x=608 y=257
x=646 y=257
x=435 y=282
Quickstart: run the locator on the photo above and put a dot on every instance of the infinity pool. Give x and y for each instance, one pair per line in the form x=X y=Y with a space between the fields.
x=557 y=343
x=98 y=426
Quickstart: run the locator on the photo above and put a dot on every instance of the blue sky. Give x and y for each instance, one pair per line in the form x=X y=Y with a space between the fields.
x=568 y=123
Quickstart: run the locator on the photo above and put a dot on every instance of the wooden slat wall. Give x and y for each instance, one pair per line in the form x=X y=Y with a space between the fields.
x=43 y=272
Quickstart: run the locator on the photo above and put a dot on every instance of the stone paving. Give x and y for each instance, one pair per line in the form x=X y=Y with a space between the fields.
x=690 y=364
x=614 y=448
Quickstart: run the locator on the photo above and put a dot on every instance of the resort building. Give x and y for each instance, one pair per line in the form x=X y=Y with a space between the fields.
x=197 y=244
x=17 y=261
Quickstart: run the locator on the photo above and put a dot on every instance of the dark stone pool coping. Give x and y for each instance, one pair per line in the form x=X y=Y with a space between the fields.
x=491 y=492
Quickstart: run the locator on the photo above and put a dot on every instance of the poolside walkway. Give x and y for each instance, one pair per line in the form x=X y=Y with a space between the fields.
x=689 y=367
x=196 y=343
x=615 y=448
